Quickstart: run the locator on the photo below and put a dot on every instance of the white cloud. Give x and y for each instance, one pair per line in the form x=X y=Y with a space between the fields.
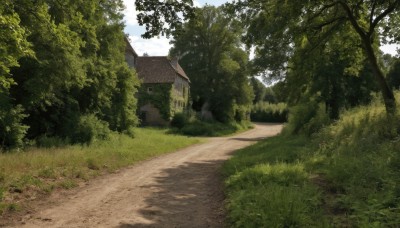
x=153 y=47
x=196 y=3
x=390 y=49
x=130 y=12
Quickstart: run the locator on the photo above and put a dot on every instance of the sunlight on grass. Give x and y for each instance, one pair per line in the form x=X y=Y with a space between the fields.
x=47 y=168
x=345 y=175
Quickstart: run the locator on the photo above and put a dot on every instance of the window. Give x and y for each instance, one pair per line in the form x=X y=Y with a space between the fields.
x=149 y=89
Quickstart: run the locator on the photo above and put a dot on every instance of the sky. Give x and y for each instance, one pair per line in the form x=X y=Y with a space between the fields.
x=155 y=46
x=160 y=46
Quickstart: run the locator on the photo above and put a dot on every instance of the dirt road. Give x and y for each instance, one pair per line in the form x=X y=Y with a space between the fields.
x=182 y=189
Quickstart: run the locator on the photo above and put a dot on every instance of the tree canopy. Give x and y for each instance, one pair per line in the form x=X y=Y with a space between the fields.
x=61 y=62
x=209 y=50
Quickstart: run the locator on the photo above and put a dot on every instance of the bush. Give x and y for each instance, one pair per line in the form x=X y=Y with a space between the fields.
x=12 y=131
x=49 y=142
x=179 y=120
x=214 y=128
x=89 y=129
x=267 y=112
x=307 y=118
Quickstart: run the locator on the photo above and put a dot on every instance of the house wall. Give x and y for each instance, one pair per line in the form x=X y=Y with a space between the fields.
x=180 y=93
x=150 y=115
x=154 y=102
x=130 y=59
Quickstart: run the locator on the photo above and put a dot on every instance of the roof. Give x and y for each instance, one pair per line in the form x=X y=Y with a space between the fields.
x=129 y=48
x=159 y=69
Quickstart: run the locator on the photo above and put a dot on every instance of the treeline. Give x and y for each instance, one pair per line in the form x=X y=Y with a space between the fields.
x=63 y=72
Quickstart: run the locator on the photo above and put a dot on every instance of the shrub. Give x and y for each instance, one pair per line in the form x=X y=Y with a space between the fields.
x=267 y=112
x=179 y=120
x=12 y=131
x=89 y=129
x=49 y=142
x=214 y=128
x=307 y=118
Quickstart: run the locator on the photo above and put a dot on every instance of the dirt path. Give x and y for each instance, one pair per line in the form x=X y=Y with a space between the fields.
x=182 y=189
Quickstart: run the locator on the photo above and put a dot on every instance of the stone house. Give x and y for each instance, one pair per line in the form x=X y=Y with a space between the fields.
x=130 y=54
x=164 y=89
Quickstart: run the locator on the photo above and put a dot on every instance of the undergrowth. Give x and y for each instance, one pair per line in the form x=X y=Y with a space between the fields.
x=267 y=112
x=346 y=174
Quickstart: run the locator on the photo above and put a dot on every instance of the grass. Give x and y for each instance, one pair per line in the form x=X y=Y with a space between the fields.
x=345 y=175
x=41 y=170
x=212 y=129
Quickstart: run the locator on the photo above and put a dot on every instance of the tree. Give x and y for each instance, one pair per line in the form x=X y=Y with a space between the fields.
x=13 y=46
x=259 y=90
x=163 y=17
x=273 y=27
x=208 y=47
x=68 y=68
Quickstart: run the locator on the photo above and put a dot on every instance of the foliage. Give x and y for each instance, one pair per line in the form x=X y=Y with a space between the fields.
x=11 y=128
x=394 y=75
x=61 y=61
x=160 y=98
x=346 y=175
x=279 y=29
x=213 y=128
x=216 y=64
x=306 y=118
x=267 y=112
x=259 y=90
x=179 y=120
x=90 y=128
x=40 y=170
x=162 y=17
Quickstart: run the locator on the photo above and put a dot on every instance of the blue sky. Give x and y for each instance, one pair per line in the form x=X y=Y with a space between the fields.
x=155 y=46
x=160 y=46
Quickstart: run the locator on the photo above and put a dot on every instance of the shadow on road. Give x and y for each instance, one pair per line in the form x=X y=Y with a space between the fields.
x=249 y=139
x=189 y=195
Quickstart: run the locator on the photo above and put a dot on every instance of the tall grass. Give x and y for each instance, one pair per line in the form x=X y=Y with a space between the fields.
x=40 y=170
x=346 y=174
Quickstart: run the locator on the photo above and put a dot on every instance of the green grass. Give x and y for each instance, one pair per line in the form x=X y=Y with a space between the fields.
x=345 y=175
x=213 y=129
x=40 y=170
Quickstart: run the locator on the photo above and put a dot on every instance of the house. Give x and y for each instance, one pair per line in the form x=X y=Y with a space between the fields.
x=164 y=88
x=130 y=54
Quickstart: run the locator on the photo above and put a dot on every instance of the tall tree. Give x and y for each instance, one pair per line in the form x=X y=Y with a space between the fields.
x=209 y=51
x=274 y=25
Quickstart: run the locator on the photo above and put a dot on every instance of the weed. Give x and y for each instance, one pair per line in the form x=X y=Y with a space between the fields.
x=68 y=184
x=357 y=160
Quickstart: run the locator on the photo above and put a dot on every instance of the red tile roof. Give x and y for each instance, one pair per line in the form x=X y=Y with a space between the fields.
x=158 y=69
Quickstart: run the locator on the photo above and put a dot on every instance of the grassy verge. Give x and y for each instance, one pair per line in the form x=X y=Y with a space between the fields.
x=39 y=170
x=347 y=175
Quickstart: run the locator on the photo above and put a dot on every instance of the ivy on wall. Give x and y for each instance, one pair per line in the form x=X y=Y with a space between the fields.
x=163 y=97
x=159 y=97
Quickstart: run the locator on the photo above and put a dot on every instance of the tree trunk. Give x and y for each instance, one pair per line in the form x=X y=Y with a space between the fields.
x=387 y=93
